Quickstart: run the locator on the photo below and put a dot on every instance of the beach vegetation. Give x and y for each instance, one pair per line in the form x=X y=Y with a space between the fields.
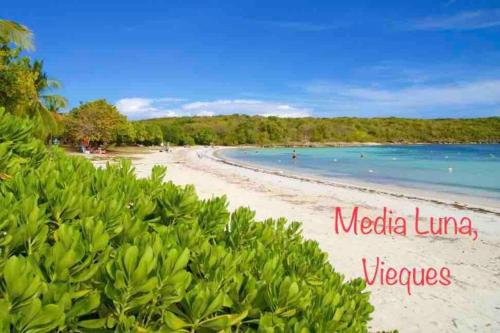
x=84 y=249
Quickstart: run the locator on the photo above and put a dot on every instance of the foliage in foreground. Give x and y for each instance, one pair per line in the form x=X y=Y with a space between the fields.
x=98 y=250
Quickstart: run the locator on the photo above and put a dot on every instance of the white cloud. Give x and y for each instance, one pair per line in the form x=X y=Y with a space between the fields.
x=131 y=106
x=482 y=92
x=205 y=114
x=142 y=108
x=247 y=106
x=469 y=20
x=411 y=99
x=435 y=98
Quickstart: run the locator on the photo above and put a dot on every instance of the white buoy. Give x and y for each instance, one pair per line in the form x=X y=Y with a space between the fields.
x=370 y=171
x=335 y=160
x=450 y=170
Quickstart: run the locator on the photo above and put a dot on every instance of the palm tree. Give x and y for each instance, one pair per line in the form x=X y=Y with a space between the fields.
x=44 y=85
x=48 y=105
x=15 y=33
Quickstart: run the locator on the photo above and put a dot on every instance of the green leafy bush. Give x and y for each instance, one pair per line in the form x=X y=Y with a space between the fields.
x=98 y=250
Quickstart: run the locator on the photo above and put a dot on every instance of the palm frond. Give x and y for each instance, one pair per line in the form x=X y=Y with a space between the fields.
x=54 y=103
x=53 y=84
x=13 y=32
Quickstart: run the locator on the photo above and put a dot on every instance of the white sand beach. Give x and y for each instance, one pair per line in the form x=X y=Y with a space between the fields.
x=470 y=303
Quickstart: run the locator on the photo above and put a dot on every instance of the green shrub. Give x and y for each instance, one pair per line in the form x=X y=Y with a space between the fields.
x=98 y=250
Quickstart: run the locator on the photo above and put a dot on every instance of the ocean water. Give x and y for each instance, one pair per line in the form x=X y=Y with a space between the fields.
x=470 y=171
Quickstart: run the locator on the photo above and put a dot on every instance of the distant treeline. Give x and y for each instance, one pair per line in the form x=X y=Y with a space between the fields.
x=242 y=129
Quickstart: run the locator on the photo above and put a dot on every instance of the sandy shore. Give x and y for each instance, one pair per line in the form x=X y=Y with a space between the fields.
x=470 y=303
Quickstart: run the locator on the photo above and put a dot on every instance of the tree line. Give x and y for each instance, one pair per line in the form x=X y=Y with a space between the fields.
x=102 y=123
x=256 y=130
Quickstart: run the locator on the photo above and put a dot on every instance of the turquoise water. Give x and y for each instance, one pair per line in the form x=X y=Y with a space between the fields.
x=470 y=170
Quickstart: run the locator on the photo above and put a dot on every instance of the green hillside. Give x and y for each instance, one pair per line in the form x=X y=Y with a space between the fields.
x=241 y=129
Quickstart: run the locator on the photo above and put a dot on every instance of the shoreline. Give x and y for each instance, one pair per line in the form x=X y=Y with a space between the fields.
x=217 y=155
x=343 y=144
x=470 y=303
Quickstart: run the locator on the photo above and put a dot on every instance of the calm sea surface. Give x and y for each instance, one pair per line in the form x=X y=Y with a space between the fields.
x=466 y=170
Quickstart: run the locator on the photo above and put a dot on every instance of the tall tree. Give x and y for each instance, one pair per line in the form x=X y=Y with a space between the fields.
x=98 y=121
x=47 y=104
x=44 y=86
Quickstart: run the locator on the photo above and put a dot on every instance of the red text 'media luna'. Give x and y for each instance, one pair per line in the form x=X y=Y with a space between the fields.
x=387 y=224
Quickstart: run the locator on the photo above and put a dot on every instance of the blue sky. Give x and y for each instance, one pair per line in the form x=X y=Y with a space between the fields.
x=286 y=58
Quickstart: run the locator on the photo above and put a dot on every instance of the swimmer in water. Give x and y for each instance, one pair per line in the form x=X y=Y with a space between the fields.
x=294 y=154
x=362 y=156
